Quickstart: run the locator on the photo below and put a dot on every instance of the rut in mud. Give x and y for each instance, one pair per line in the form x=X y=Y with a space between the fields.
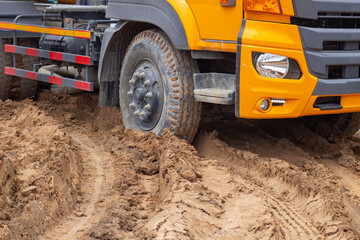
x=69 y=170
x=95 y=190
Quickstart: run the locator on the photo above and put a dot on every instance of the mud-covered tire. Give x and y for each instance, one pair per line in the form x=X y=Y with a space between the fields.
x=6 y=81
x=333 y=127
x=14 y=87
x=169 y=72
x=28 y=88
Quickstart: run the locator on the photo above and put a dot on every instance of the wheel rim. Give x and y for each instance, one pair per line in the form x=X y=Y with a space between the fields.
x=145 y=95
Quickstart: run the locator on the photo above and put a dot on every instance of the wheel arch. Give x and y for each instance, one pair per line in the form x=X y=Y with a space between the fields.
x=114 y=44
x=175 y=18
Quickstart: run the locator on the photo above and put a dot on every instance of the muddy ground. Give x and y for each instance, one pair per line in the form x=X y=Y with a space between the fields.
x=69 y=170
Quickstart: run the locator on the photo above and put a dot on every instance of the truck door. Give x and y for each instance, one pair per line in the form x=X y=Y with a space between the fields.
x=217 y=22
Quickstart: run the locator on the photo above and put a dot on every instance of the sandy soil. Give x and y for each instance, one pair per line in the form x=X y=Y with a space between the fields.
x=69 y=170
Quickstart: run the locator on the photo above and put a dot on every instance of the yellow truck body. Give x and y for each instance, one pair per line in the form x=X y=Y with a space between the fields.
x=210 y=26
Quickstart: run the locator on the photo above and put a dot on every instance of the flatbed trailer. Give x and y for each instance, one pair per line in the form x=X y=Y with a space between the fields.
x=159 y=60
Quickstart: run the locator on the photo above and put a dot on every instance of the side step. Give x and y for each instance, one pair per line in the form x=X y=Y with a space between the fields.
x=328 y=103
x=67 y=82
x=218 y=88
x=328 y=106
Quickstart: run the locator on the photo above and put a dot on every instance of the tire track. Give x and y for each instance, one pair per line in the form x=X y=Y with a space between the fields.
x=293 y=224
x=95 y=189
x=348 y=177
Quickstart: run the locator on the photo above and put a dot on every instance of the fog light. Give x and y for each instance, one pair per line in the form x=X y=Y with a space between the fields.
x=276 y=66
x=264 y=105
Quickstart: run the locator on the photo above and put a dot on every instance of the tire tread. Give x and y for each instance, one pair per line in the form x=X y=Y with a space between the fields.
x=183 y=115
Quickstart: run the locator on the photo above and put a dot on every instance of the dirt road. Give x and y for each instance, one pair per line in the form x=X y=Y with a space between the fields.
x=69 y=170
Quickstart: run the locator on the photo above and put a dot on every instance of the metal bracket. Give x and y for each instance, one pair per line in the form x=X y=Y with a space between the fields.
x=218 y=88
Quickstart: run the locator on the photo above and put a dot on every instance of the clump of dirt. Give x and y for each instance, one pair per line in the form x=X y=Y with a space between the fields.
x=164 y=190
x=199 y=199
x=133 y=193
x=39 y=171
x=79 y=110
x=140 y=159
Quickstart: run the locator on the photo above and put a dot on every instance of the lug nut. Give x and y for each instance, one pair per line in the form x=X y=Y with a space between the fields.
x=142 y=75
x=149 y=95
x=132 y=105
x=142 y=114
x=147 y=107
x=130 y=93
x=147 y=83
x=137 y=113
x=136 y=75
x=132 y=81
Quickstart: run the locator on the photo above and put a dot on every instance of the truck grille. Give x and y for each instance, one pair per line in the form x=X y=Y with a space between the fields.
x=330 y=34
x=339 y=20
x=330 y=20
x=332 y=52
x=332 y=44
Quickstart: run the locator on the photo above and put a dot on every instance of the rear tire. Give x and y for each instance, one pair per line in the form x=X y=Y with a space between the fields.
x=156 y=87
x=6 y=81
x=334 y=127
x=14 y=87
x=28 y=88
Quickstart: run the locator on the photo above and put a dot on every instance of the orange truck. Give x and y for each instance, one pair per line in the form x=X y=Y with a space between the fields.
x=159 y=60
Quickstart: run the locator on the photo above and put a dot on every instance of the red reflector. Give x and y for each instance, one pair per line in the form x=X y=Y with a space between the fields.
x=227 y=3
x=32 y=52
x=10 y=48
x=55 y=80
x=10 y=71
x=82 y=60
x=56 y=56
x=31 y=75
x=82 y=85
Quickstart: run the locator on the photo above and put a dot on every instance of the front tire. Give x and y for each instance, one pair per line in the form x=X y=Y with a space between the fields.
x=156 y=87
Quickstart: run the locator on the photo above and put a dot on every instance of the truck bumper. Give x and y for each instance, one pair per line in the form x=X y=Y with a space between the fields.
x=300 y=94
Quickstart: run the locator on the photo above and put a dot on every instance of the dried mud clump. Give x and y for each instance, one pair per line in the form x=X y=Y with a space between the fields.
x=148 y=167
x=39 y=171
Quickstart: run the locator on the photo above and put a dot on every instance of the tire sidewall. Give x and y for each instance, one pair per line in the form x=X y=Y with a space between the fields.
x=138 y=50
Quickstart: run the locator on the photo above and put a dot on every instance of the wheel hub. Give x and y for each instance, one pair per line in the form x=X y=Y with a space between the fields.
x=146 y=95
x=139 y=94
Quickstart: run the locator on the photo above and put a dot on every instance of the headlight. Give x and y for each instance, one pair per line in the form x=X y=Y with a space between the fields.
x=270 y=6
x=276 y=66
x=271 y=65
